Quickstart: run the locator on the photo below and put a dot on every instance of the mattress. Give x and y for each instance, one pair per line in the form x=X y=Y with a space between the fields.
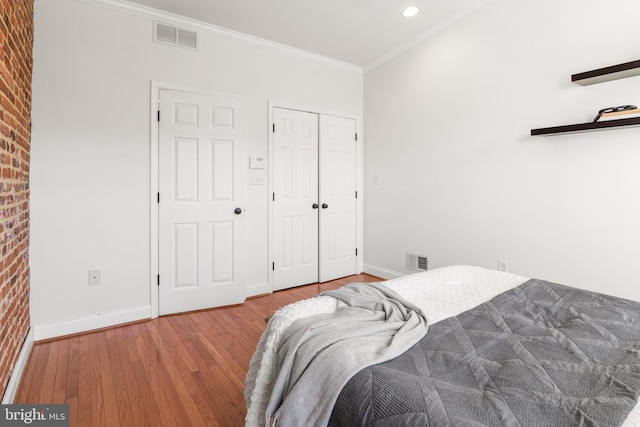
x=439 y=293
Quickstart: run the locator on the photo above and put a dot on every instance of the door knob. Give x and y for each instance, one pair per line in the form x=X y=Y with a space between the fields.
x=237 y=211
x=314 y=206
x=325 y=206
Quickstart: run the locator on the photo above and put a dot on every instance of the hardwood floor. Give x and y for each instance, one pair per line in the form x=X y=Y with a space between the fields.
x=179 y=370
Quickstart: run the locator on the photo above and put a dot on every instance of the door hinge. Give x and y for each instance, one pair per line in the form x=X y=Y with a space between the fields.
x=273 y=266
x=158 y=280
x=274 y=197
x=158 y=197
x=273 y=128
x=356 y=251
x=356 y=136
x=356 y=194
x=158 y=115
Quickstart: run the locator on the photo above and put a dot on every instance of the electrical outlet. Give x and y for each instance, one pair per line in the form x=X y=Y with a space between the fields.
x=94 y=277
x=503 y=266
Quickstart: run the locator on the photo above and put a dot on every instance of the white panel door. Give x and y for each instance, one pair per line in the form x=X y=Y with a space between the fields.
x=338 y=234
x=295 y=198
x=201 y=199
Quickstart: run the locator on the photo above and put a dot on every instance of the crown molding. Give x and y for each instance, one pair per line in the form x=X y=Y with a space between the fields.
x=194 y=24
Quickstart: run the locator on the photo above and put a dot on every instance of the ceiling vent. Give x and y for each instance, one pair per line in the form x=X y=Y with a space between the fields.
x=172 y=35
x=417 y=262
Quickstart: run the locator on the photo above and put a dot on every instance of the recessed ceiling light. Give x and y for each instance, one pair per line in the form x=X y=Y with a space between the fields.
x=410 y=11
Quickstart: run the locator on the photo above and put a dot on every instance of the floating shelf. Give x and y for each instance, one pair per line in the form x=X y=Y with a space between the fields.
x=586 y=127
x=606 y=74
x=614 y=72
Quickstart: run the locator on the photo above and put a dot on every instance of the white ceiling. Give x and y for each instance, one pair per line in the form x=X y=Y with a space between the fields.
x=358 y=32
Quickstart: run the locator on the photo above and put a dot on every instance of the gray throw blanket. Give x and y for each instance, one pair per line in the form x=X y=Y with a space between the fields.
x=319 y=354
x=541 y=354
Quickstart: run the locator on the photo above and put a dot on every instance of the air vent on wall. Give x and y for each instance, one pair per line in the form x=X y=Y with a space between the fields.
x=417 y=262
x=172 y=35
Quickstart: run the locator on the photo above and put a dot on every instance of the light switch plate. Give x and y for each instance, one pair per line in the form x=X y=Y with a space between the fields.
x=256 y=179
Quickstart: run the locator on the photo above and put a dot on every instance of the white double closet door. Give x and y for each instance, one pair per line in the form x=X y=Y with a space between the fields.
x=314 y=198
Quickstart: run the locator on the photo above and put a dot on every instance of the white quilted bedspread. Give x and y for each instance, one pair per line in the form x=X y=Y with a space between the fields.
x=440 y=293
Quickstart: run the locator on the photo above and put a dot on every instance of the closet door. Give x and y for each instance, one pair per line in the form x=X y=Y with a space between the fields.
x=201 y=197
x=338 y=234
x=295 y=198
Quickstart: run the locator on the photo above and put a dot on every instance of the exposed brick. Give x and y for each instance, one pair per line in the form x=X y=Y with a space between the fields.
x=16 y=63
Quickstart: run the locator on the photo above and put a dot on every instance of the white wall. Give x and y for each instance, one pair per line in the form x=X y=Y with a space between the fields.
x=463 y=182
x=90 y=166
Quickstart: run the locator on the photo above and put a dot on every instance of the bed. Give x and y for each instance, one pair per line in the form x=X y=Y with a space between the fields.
x=549 y=371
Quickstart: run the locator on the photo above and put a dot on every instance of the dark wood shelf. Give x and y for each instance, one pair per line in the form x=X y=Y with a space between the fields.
x=606 y=74
x=614 y=72
x=586 y=127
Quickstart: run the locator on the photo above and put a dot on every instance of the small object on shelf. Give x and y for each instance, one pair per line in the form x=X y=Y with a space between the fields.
x=625 y=114
x=618 y=109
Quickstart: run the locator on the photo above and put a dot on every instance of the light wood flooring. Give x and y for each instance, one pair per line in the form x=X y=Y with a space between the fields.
x=180 y=370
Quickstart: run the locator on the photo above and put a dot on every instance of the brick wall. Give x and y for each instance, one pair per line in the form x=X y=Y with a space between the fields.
x=16 y=46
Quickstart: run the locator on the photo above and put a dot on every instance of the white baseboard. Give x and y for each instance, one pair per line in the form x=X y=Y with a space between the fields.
x=18 y=369
x=381 y=272
x=44 y=332
x=258 y=289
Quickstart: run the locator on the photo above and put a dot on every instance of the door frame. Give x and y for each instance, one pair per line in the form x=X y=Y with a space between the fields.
x=359 y=179
x=154 y=231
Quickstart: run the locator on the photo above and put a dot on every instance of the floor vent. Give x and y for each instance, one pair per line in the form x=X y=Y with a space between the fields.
x=172 y=35
x=417 y=262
